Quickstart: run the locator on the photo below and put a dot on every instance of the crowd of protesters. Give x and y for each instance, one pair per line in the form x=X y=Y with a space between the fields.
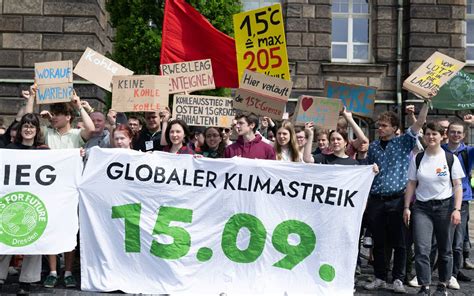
x=419 y=199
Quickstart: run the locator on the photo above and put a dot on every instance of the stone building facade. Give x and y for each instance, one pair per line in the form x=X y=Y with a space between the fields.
x=426 y=26
x=48 y=30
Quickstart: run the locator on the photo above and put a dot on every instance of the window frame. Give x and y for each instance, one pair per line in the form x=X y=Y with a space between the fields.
x=362 y=123
x=469 y=17
x=260 y=3
x=350 y=15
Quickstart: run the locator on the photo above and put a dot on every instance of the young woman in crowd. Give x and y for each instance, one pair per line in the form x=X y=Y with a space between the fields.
x=435 y=211
x=337 y=143
x=28 y=136
x=286 y=147
x=175 y=138
x=123 y=136
x=214 y=145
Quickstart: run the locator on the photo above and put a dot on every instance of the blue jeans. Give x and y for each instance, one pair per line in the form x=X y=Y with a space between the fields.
x=428 y=218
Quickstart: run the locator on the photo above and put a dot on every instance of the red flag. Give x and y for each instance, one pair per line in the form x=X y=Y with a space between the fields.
x=188 y=35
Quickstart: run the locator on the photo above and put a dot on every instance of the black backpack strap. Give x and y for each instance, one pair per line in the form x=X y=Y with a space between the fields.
x=465 y=160
x=418 y=158
x=450 y=161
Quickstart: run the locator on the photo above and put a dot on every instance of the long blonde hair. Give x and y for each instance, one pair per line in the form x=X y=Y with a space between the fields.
x=292 y=144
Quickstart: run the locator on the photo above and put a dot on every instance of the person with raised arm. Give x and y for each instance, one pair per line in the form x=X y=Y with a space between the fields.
x=385 y=204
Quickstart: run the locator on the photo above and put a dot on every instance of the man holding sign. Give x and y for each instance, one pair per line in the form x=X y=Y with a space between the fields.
x=63 y=136
x=385 y=204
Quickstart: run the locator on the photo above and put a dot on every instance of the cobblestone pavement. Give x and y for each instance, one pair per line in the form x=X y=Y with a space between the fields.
x=467 y=288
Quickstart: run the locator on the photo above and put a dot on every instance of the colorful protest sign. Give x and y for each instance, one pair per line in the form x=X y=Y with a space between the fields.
x=140 y=93
x=203 y=110
x=262 y=95
x=323 y=112
x=38 y=201
x=457 y=93
x=54 y=81
x=189 y=76
x=99 y=69
x=358 y=99
x=432 y=74
x=260 y=42
x=210 y=226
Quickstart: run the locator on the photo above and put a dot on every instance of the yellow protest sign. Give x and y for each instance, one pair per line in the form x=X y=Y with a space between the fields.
x=260 y=42
x=432 y=74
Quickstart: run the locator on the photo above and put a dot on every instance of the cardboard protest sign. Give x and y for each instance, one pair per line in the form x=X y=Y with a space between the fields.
x=189 y=76
x=140 y=93
x=98 y=69
x=262 y=95
x=432 y=74
x=260 y=42
x=203 y=110
x=54 y=80
x=324 y=112
x=358 y=99
x=457 y=93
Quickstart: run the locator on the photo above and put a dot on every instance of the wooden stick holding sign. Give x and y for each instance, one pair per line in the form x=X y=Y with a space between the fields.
x=54 y=80
x=263 y=95
x=432 y=74
x=324 y=112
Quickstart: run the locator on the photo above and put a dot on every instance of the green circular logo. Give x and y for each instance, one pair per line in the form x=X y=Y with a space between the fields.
x=23 y=219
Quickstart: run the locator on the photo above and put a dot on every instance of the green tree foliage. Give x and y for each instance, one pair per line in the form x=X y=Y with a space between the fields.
x=139 y=24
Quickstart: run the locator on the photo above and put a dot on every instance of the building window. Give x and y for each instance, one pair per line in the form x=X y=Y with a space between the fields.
x=364 y=126
x=254 y=4
x=470 y=32
x=350 y=31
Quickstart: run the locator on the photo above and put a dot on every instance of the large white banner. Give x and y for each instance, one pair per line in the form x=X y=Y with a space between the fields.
x=38 y=201
x=166 y=223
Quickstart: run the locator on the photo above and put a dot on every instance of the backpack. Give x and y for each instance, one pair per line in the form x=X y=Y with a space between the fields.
x=466 y=163
x=449 y=160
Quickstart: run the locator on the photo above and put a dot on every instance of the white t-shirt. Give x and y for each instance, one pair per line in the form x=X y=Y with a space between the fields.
x=434 y=181
x=70 y=140
x=286 y=155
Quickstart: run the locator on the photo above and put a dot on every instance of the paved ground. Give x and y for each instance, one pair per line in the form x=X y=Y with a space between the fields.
x=467 y=288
